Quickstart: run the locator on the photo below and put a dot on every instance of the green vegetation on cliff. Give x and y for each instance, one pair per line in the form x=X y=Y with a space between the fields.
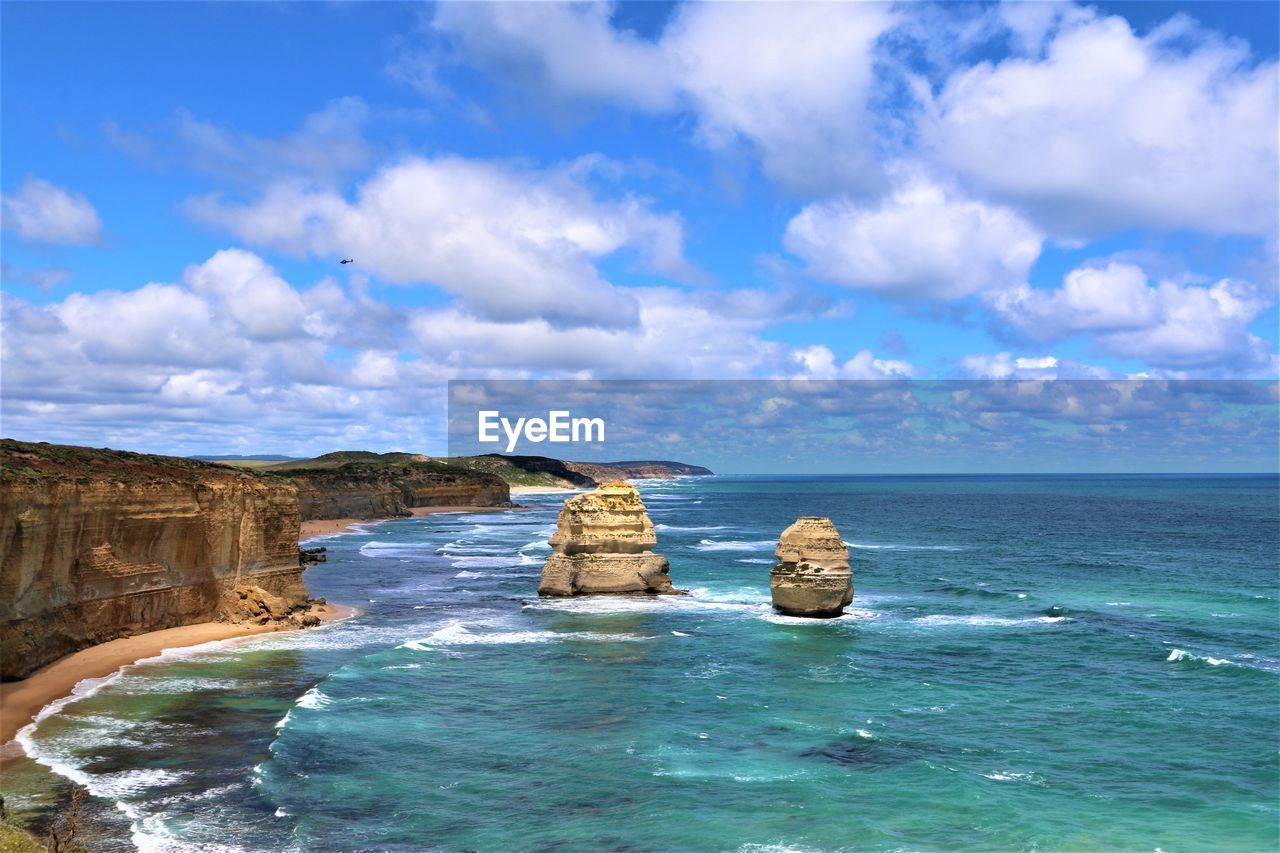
x=361 y=484
x=529 y=471
x=41 y=462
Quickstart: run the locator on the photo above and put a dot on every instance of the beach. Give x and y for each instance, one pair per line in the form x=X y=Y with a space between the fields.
x=330 y=526
x=21 y=701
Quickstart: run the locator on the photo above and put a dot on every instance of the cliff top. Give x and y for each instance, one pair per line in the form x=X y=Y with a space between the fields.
x=359 y=466
x=32 y=461
x=342 y=458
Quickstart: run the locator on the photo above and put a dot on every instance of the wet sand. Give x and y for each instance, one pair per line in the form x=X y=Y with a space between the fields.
x=328 y=526
x=21 y=701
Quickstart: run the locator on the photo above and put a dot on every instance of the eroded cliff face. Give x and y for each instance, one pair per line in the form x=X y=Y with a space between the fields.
x=382 y=490
x=604 y=543
x=812 y=577
x=99 y=544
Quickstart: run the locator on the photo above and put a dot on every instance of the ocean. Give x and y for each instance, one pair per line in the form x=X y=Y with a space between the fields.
x=1029 y=663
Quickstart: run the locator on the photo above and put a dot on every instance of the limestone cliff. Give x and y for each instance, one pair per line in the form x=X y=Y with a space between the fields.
x=604 y=543
x=812 y=577
x=545 y=472
x=350 y=485
x=100 y=544
x=654 y=469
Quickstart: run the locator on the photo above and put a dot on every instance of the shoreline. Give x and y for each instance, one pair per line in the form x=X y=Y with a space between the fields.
x=542 y=490
x=332 y=526
x=21 y=702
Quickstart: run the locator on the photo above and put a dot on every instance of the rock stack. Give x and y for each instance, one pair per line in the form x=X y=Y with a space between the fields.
x=604 y=543
x=812 y=577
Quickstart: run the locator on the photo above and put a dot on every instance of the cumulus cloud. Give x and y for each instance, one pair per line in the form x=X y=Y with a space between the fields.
x=819 y=362
x=513 y=244
x=155 y=324
x=233 y=355
x=925 y=240
x=1003 y=365
x=562 y=49
x=1168 y=324
x=678 y=335
x=790 y=81
x=264 y=304
x=40 y=212
x=1174 y=129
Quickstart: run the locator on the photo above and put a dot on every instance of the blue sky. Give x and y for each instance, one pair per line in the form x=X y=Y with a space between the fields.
x=914 y=426
x=719 y=191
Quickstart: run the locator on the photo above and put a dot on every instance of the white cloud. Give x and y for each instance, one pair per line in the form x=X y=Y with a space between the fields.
x=564 y=49
x=233 y=356
x=513 y=244
x=41 y=212
x=155 y=324
x=819 y=362
x=1199 y=327
x=677 y=336
x=1031 y=22
x=1111 y=129
x=923 y=241
x=1003 y=365
x=264 y=304
x=1169 y=324
x=1116 y=296
x=790 y=81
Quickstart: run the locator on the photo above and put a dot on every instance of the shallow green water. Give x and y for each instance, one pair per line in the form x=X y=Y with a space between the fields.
x=950 y=708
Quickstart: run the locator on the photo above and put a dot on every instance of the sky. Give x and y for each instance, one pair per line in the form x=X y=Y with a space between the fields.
x=876 y=426
x=629 y=191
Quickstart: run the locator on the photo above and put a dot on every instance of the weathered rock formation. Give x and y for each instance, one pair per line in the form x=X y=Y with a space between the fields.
x=385 y=488
x=249 y=603
x=812 y=577
x=604 y=543
x=100 y=544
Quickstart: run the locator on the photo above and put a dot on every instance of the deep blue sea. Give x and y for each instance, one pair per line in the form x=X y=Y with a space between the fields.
x=1029 y=663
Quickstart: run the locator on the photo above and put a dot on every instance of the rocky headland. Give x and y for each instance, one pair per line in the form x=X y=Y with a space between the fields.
x=101 y=544
x=545 y=472
x=812 y=577
x=604 y=543
x=361 y=485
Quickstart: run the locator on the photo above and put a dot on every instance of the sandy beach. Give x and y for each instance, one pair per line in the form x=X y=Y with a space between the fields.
x=329 y=526
x=20 y=701
x=540 y=490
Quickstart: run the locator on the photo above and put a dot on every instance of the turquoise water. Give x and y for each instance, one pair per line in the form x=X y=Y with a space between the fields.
x=1029 y=663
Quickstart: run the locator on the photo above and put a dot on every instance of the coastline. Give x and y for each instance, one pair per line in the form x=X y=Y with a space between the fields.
x=541 y=490
x=22 y=701
x=330 y=526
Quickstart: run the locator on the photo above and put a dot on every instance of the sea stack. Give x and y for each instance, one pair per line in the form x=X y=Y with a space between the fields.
x=812 y=577
x=604 y=543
